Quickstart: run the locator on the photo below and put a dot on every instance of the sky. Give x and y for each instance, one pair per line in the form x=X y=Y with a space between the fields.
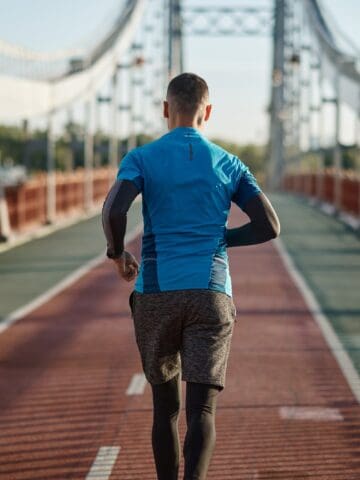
x=237 y=69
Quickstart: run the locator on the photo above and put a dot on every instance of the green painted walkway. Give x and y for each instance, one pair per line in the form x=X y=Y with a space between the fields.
x=327 y=254
x=28 y=270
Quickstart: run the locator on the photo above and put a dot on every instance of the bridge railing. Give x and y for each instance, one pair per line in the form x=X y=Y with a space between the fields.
x=27 y=203
x=322 y=186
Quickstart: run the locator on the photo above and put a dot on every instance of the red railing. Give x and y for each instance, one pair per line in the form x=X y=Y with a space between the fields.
x=323 y=186
x=27 y=203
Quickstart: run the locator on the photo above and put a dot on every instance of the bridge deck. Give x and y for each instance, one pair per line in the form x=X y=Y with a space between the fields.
x=286 y=412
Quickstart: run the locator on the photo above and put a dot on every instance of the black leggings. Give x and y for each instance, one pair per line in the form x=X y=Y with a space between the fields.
x=200 y=436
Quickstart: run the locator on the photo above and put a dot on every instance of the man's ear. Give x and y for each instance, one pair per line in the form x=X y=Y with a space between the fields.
x=207 y=112
x=166 y=109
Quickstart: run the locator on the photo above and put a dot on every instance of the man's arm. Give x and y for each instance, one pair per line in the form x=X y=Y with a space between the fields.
x=263 y=226
x=115 y=208
x=114 y=215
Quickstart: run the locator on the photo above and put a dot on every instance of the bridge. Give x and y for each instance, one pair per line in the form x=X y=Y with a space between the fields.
x=74 y=401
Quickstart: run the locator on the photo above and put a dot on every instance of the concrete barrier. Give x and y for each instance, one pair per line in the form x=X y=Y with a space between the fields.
x=321 y=186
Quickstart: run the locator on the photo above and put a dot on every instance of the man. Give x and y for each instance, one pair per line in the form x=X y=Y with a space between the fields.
x=182 y=303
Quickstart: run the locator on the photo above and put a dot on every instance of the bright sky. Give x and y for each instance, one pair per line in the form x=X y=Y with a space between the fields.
x=237 y=69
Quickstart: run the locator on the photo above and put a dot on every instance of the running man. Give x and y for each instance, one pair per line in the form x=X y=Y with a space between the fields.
x=182 y=304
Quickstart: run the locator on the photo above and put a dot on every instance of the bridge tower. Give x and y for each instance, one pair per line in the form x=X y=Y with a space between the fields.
x=276 y=139
x=175 y=47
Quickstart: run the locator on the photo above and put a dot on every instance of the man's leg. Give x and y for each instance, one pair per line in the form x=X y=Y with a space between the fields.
x=201 y=434
x=165 y=436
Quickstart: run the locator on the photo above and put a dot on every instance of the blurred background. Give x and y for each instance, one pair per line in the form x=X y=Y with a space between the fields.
x=44 y=49
x=81 y=83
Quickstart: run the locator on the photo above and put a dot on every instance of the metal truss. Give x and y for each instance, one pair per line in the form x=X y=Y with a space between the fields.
x=227 y=20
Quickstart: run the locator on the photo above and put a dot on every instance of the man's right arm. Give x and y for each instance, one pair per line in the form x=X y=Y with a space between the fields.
x=264 y=223
x=114 y=215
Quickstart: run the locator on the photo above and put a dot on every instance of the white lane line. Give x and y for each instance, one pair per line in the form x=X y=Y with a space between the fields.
x=336 y=347
x=103 y=464
x=350 y=220
x=65 y=283
x=137 y=384
x=310 y=413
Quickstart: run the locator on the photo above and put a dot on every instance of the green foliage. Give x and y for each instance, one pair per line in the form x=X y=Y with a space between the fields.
x=17 y=150
x=350 y=158
x=11 y=145
x=142 y=139
x=69 y=149
x=252 y=155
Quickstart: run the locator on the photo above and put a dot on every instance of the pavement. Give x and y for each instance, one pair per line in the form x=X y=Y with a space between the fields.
x=32 y=268
x=327 y=253
x=74 y=403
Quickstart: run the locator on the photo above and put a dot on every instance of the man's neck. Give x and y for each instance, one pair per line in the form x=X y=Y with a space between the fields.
x=184 y=122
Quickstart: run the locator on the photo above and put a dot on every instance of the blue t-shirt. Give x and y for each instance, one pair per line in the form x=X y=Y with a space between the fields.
x=187 y=185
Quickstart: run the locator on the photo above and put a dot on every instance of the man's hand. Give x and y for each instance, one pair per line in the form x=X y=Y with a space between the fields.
x=127 y=266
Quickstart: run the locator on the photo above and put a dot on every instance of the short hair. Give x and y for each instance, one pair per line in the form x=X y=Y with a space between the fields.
x=189 y=92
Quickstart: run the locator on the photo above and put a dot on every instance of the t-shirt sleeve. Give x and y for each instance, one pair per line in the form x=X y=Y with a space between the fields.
x=246 y=187
x=131 y=169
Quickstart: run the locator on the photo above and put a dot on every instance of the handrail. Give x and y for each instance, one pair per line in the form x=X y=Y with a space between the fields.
x=345 y=63
x=25 y=98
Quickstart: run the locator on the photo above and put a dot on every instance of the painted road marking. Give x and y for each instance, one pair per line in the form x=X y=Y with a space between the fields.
x=310 y=413
x=137 y=384
x=336 y=347
x=59 y=287
x=103 y=464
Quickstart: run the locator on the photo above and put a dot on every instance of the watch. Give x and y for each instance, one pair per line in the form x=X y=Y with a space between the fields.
x=111 y=254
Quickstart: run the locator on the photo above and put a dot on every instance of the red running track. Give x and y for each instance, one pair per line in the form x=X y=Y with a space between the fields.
x=65 y=368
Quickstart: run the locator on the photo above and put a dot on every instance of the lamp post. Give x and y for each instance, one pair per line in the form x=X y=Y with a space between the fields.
x=51 y=175
x=89 y=154
x=277 y=99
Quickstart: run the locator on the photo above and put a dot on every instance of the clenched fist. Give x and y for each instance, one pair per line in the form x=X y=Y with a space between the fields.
x=127 y=266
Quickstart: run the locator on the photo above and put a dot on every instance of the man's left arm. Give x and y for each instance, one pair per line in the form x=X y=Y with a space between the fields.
x=114 y=220
x=264 y=223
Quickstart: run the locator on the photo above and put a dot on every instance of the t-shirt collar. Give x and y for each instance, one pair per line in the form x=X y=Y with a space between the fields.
x=185 y=131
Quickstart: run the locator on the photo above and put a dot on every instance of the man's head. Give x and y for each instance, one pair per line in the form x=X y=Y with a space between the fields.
x=187 y=101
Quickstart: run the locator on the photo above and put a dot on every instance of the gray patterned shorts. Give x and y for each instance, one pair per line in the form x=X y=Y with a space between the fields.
x=187 y=331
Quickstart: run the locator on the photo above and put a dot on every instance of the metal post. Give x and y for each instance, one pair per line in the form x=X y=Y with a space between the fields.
x=305 y=118
x=113 y=144
x=51 y=175
x=131 y=143
x=276 y=163
x=321 y=163
x=96 y=122
x=357 y=145
x=25 y=128
x=175 y=48
x=70 y=140
x=165 y=43
x=89 y=155
x=337 y=155
x=125 y=99
x=5 y=230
